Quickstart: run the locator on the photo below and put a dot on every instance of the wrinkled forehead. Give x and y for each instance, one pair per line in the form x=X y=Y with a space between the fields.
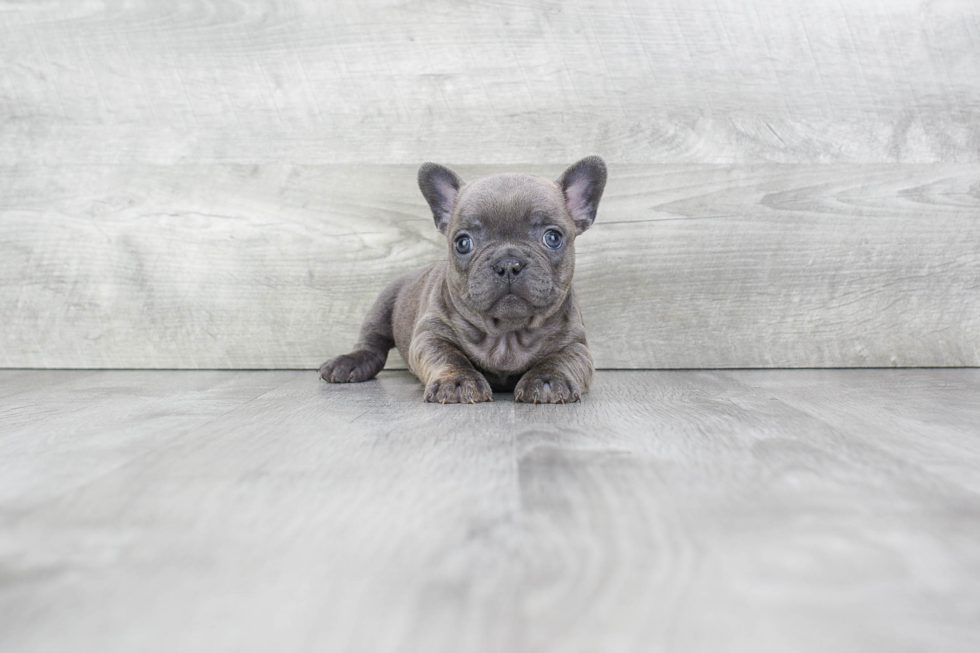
x=506 y=200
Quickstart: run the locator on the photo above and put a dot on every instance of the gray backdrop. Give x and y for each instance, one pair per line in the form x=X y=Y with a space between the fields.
x=228 y=184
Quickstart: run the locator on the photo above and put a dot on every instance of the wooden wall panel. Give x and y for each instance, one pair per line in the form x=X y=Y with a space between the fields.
x=193 y=183
x=262 y=266
x=400 y=81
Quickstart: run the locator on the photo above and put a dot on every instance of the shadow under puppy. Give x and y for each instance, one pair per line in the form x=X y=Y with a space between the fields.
x=500 y=312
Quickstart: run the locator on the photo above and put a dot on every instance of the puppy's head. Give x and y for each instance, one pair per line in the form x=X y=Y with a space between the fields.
x=511 y=236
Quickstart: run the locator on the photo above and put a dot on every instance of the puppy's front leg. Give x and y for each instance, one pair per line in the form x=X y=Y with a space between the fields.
x=559 y=378
x=449 y=376
x=371 y=351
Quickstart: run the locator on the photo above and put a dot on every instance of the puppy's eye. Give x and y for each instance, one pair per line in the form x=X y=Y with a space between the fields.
x=552 y=239
x=464 y=244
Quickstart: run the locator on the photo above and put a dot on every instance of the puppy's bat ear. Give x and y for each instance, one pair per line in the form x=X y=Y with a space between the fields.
x=439 y=185
x=582 y=184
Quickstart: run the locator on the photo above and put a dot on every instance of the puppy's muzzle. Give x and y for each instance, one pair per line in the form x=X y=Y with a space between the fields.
x=508 y=267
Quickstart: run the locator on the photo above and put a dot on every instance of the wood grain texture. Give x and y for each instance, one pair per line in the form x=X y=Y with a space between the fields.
x=96 y=423
x=200 y=184
x=274 y=266
x=399 y=81
x=806 y=510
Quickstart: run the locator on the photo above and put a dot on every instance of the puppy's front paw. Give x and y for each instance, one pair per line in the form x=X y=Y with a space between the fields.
x=354 y=367
x=547 y=386
x=461 y=387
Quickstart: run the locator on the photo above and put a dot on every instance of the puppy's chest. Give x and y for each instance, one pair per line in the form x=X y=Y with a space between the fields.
x=510 y=352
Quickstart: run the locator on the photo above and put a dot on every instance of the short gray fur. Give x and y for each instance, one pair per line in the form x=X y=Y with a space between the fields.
x=684 y=511
x=500 y=311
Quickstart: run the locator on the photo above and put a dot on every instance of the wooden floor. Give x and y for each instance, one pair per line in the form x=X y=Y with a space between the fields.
x=670 y=511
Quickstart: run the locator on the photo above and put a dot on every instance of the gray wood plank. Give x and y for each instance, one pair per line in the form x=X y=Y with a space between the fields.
x=208 y=236
x=283 y=523
x=228 y=266
x=917 y=414
x=742 y=511
x=94 y=423
x=731 y=81
x=693 y=512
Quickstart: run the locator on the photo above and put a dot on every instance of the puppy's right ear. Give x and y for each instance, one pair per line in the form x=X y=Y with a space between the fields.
x=439 y=185
x=582 y=184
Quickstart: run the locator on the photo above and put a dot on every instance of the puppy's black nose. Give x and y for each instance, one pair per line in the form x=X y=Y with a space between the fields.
x=508 y=267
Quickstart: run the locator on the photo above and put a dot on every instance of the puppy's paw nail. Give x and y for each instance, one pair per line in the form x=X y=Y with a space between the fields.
x=460 y=387
x=546 y=387
x=357 y=366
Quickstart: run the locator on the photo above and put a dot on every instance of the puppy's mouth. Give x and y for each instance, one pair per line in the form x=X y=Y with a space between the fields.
x=509 y=307
x=512 y=299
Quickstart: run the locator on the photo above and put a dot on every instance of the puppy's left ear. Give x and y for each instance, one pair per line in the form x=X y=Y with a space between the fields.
x=439 y=185
x=582 y=184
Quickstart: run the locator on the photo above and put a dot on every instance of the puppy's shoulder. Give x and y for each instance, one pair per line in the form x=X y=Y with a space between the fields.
x=419 y=283
x=413 y=293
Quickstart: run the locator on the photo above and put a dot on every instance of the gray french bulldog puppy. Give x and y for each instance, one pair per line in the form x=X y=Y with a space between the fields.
x=500 y=312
